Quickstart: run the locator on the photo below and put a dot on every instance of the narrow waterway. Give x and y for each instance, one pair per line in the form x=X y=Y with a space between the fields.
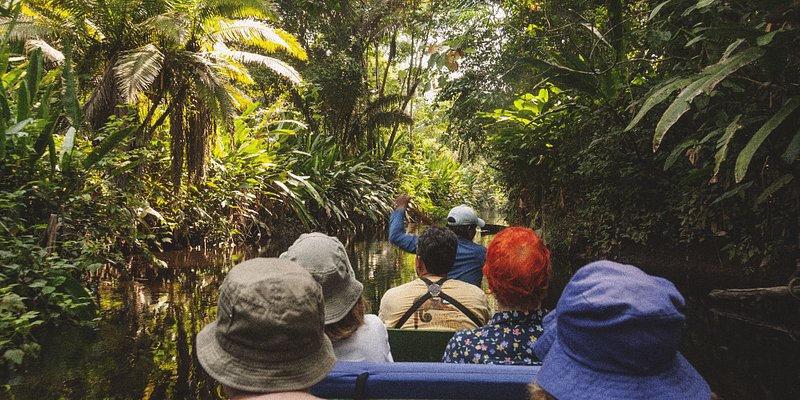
x=143 y=345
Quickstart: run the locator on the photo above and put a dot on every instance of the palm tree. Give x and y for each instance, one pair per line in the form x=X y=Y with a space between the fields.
x=180 y=60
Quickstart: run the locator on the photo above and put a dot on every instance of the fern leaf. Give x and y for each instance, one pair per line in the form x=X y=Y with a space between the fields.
x=749 y=150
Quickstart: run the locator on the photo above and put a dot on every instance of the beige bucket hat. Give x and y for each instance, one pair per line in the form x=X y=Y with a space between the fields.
x=269 y=333
x=326 y=259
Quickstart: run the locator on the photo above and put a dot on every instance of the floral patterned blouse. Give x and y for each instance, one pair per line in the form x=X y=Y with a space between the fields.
x=507 y=339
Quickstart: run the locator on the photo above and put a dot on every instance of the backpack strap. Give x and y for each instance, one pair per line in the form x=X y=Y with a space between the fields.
x=435 y=290
x=471 y=315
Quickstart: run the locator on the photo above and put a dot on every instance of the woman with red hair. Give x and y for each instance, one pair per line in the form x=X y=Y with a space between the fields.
x=517 y=270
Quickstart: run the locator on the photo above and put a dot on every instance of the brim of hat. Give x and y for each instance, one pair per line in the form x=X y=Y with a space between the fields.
x=263 y=377
x=566 y=378
x=337 y=307
x=481 y=223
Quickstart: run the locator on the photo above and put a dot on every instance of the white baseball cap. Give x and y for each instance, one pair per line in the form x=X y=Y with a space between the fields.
x=464 y=215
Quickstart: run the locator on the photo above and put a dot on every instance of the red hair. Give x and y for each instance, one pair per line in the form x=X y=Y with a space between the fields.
x=517 y=268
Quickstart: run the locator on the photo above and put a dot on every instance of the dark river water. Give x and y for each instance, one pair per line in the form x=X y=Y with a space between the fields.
x=143 y=346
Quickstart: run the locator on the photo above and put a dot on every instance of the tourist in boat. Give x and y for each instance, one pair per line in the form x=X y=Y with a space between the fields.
x=356 y=336
x=614 y=335
x=517 y=272
x=268 y=340
x=463 y=221
x=433 y=301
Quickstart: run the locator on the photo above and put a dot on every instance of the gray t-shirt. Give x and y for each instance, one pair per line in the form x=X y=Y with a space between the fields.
x=369 y=343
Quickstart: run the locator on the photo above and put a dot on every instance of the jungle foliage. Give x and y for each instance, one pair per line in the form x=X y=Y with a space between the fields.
x=619 y=125
x=140 y=126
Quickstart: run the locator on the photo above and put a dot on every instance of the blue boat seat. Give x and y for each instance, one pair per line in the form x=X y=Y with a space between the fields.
x=425 y=380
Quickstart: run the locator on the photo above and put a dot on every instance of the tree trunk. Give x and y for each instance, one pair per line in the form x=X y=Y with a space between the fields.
x=616 y=8
x=198 y=138
x=178 y=146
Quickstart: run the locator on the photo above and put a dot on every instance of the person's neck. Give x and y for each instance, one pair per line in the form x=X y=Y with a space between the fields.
x=431 y=276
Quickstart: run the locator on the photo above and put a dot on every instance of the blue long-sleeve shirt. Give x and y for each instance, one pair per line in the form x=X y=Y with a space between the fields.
x=470 y=256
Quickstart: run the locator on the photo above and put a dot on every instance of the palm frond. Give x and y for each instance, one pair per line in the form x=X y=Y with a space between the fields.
x=261 y=9
x=210 y=87
x=172 y=26
x=233 y=70
x=50 y=54
x=240 y=98
x=387 y=119
x=25 y=28
x=388 y=102
x=297 y=49
x=92 y=30
x=103 y=98
x=274 y=64
x=254 y=33
x=136 y=70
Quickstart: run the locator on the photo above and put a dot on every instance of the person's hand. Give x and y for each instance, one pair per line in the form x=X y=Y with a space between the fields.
x=401 y=202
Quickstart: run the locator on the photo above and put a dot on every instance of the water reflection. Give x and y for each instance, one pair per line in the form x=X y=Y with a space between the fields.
x=143 y=347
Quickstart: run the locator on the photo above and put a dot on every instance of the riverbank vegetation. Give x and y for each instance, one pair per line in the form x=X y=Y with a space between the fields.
x=139 y=126
x=663 y=127
x=624 y=127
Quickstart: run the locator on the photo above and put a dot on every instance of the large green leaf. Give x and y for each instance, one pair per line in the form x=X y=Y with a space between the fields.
x=4 y=53
x=105 y=147
x=793 y=149
x=774 y=187
x=705 y=81
x=676 y=153
x=749 y=150
x=2 y=139
x=23 y=103
x=724 y=141
x=733 y=192
x=69 y=141
x=34 y=74
x=657 y=9
x=658 y=95
x=45 y=138
x=5 y=110
x=69 y=87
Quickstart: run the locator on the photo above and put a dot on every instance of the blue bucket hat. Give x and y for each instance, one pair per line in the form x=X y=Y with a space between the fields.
x=614 y=335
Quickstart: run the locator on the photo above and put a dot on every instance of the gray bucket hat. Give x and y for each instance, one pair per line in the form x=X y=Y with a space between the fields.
x=269 y=333
x=326 y=259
